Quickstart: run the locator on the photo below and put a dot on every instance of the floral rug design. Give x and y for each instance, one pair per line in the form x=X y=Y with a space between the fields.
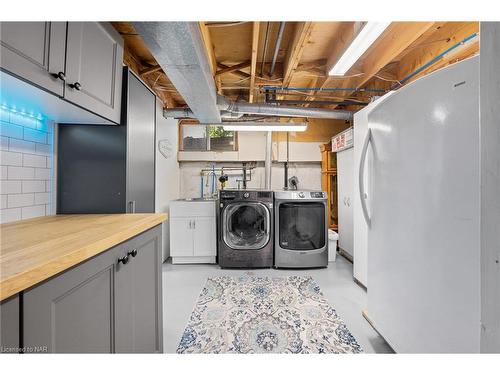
x=253 y=314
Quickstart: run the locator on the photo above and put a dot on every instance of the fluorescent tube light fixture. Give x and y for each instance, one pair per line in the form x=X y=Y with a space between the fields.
x=265 y=126
x=365 y=38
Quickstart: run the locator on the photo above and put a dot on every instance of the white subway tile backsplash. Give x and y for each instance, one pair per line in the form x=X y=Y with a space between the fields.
x=18 y=145
x=33 y=211
x=26 y=157
x=35 y=135
x=10 y=214
x=42 y=149
x=19 y=119
x=42 y=198
x=11 y=131
x=10 y=187
x=11 y=158
x=20 y=200
x=37 y=161
x=21 y=173
x=35 y=186
x=4 y=115
x=4 y=143
x=42 y=174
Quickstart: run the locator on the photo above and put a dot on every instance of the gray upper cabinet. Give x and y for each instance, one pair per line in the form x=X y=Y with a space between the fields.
x=35 y=51
x=110 y=303
x=94 y=68
x=78 y=61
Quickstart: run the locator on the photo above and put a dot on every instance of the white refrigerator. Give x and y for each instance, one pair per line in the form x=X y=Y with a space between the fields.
x=360 y=228
x=423 y=216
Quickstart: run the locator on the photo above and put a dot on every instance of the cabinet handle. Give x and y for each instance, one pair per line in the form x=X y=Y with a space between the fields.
x=133 y=253
x=123 y=259
x=132 y=207
x=59 y=75
x=77 y=86
x=194 y=224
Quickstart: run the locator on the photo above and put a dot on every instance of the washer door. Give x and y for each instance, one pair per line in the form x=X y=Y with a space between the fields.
x=246 y=225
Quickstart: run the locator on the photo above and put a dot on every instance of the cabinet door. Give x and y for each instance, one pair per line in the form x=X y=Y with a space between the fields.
x=73 y=312
x=9 y=325
x=34 y=51
x=94 y=56
x=204 y=236
x=345 y=166
x=139 y=296
x=141 y=118
x=181 y=236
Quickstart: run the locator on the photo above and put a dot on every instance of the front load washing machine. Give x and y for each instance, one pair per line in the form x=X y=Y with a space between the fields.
x=245 y=230
x=301 y=230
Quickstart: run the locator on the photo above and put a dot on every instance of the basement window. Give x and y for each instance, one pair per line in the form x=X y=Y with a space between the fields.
x=207 y=138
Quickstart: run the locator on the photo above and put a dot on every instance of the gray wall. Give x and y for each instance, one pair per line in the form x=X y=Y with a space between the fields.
x=490 y=186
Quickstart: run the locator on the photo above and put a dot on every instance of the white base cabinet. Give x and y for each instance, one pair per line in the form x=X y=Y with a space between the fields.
x=193 y=231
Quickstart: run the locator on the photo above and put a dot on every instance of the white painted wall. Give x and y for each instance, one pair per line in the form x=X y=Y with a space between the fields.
x=167 y=170
x=308 y=173
x=490 y=187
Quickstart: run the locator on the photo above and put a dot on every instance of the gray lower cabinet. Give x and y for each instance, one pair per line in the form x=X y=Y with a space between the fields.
x=35 y=52
x=111 y=303
x=9 y=325
x=138 y=292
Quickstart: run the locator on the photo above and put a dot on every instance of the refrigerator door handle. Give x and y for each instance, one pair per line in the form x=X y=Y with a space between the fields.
x=362 y=194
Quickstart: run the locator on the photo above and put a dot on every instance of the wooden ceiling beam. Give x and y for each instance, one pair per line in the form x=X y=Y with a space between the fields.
x=253 y=60
x=230 y=69
x=209 y=48
x=398 y=37
x=294 y=53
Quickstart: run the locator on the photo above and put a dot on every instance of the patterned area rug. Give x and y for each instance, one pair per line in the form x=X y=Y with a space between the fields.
x=265 y=315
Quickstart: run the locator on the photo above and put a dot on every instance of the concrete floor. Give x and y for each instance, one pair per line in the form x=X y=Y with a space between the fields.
x=182 y=285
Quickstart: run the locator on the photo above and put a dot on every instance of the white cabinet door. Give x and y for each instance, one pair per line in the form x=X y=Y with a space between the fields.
x=94 y=56
x=204 y=236
x=345 y=170
x=35 y=51
x=181 y=237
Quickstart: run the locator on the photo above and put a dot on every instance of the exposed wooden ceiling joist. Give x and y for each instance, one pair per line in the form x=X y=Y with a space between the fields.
x=253 y=64
x=300 y=39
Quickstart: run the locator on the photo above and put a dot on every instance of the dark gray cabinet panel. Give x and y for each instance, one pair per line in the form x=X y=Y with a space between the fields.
x=92 y=169
x=141 y=118
x=34 y=51
x=9 y=325
x=101 y=305
x=73 y=312
x=139 y=296
x=94 y=60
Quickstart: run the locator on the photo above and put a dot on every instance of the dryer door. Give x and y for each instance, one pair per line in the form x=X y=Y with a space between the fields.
x=302 y=225
x=246 y=225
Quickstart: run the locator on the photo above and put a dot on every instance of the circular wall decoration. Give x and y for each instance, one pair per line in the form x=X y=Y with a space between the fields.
x=166 y=149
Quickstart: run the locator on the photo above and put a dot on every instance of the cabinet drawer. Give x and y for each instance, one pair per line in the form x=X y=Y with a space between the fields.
x=192 y=209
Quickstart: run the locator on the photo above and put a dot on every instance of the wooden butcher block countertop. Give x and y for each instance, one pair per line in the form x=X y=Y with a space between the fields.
x=36 y=249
